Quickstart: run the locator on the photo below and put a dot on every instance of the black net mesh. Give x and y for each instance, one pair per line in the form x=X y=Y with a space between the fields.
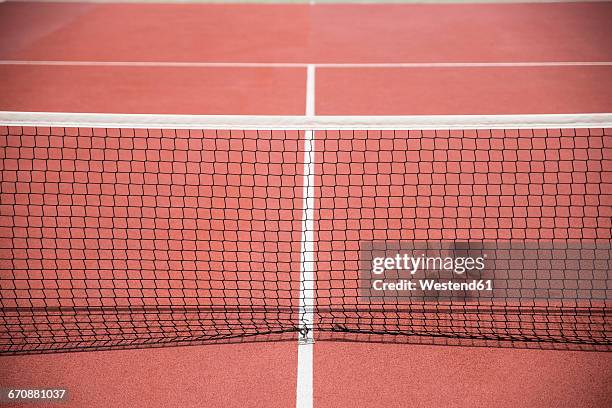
x=115 y=238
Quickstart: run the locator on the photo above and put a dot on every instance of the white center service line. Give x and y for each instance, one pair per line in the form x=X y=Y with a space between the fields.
x=194 y=64
x=304 y=391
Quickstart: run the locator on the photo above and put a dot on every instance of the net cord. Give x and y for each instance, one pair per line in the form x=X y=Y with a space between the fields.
x=307 y=122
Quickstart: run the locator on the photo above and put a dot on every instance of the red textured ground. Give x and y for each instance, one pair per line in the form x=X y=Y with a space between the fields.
x=264 y=374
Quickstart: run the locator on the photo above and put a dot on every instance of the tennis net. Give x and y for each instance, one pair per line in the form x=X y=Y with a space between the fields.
x=122 y=231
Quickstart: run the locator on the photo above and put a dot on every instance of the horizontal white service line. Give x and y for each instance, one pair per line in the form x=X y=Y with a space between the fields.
x=311 y=2
x=195 y=64
x=244 y=122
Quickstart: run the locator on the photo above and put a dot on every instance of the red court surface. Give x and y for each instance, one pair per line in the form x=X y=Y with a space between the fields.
x=83 y=57
x=466 y=90
x=302 y=33
x=154 y=89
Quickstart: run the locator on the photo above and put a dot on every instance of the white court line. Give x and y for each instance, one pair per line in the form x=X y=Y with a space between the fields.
x=311 y=2
x=162 y=64
x=304 y=389
x=467 y=64
x=194 y=64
